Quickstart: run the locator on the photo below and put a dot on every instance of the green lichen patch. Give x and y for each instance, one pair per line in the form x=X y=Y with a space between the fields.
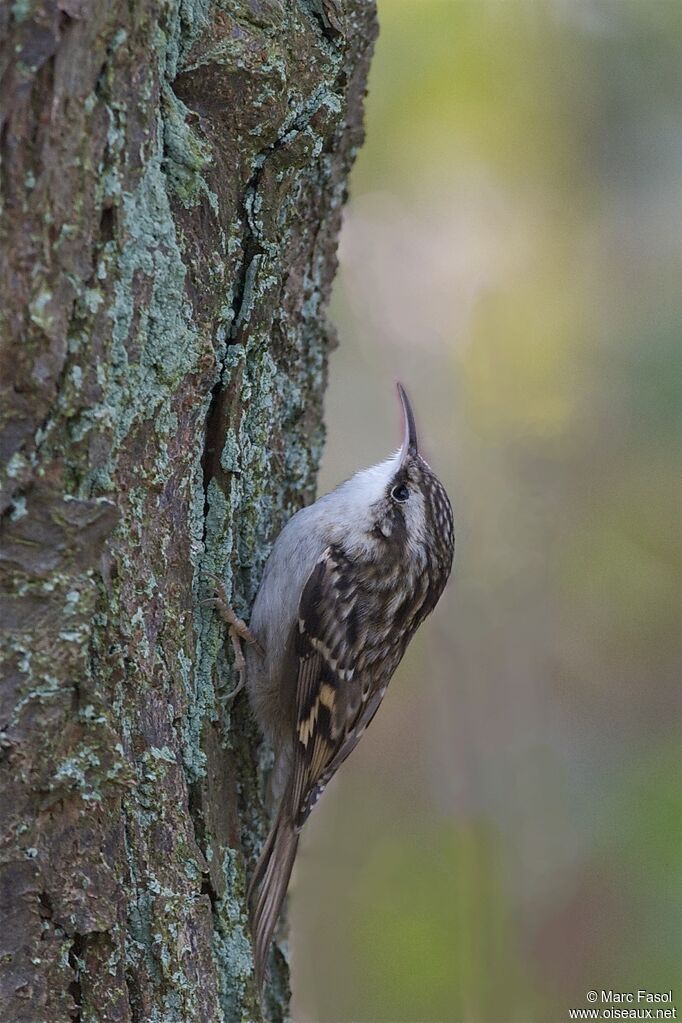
x=186 y=154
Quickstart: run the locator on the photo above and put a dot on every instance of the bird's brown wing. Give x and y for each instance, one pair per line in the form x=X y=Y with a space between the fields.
x=334 y=703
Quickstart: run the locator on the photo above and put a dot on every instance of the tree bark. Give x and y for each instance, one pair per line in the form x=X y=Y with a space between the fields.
x=173 y=173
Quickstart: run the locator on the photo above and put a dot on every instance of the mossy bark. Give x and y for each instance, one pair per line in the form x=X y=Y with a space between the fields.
x=172 y=179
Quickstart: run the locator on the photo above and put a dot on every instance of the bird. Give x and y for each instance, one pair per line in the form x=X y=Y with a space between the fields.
x=348 y=581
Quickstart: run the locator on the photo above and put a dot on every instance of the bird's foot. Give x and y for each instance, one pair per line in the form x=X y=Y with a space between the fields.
x=237 y=629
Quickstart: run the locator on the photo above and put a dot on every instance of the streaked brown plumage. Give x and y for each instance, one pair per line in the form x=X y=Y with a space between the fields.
x=347 y=584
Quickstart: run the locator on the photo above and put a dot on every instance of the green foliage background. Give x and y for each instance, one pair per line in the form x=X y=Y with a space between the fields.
x=507 y=835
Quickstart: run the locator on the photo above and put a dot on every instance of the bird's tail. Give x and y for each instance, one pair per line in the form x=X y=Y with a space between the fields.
x=269 y=885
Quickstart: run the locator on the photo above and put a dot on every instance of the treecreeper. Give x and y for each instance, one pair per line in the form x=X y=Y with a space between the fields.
x=347 y=584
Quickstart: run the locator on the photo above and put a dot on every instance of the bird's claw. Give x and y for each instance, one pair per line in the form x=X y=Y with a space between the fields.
x=237 y=628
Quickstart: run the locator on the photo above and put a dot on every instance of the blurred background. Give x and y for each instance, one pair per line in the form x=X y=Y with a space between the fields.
x=507 y=836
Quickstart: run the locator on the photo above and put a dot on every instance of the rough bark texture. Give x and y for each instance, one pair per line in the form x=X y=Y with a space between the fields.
x=172 y=179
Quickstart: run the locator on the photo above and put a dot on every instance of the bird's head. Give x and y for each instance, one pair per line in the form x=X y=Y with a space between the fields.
x=400 y=506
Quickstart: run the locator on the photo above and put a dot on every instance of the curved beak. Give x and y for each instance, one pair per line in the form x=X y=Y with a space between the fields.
x=409 y=446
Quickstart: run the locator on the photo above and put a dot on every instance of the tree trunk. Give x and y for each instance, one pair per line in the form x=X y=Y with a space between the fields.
x=172 y=179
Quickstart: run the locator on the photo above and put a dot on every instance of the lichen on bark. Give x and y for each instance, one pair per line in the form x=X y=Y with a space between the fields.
x=171 y=186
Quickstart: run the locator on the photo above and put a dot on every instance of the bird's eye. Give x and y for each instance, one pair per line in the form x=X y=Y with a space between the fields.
x=400 y=493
